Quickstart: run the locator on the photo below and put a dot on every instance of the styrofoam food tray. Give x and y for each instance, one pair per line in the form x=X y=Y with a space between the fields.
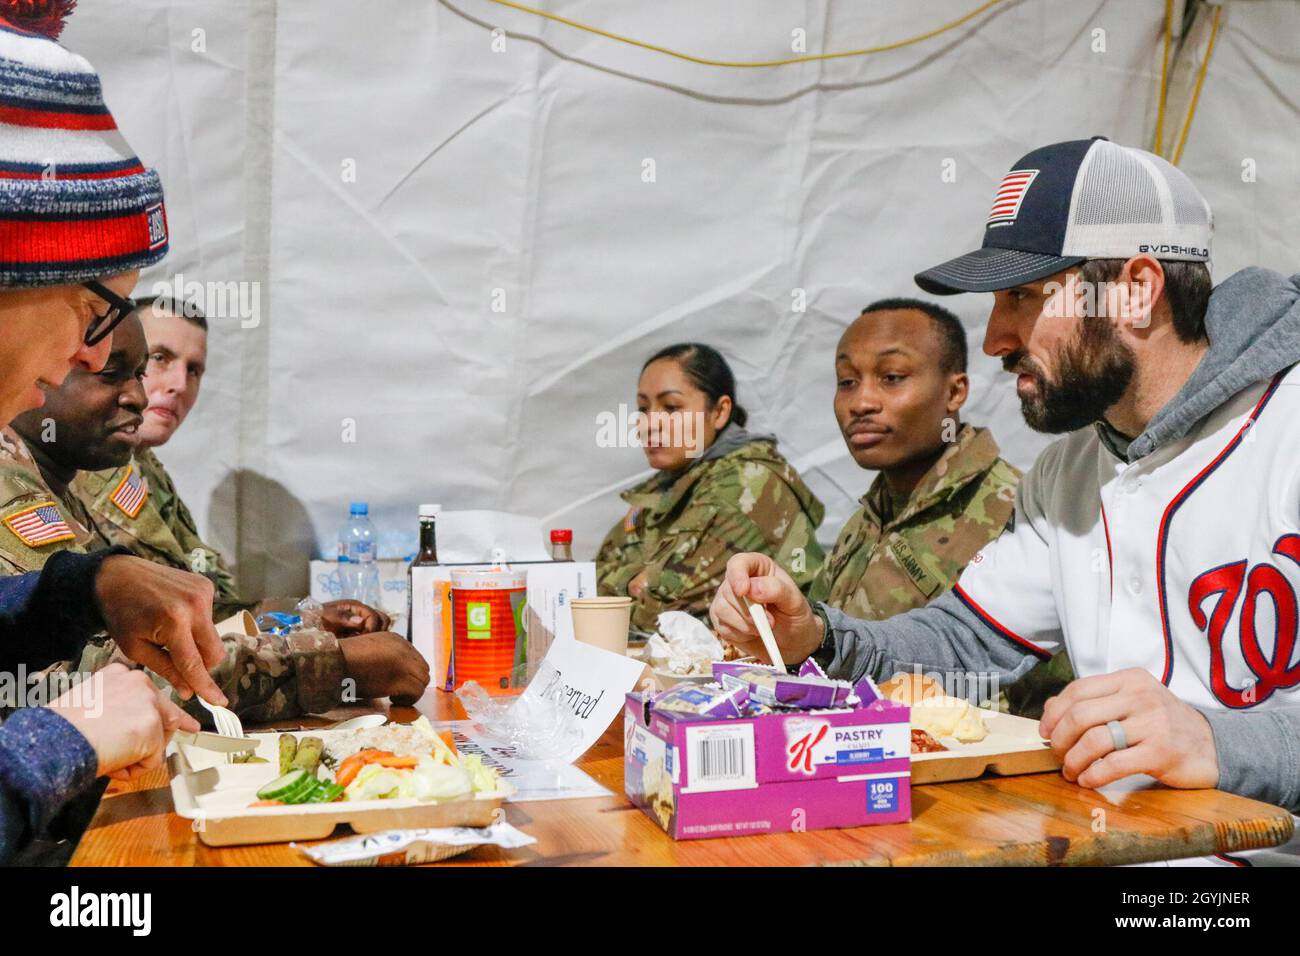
x=1012 y=747
x=215 y=795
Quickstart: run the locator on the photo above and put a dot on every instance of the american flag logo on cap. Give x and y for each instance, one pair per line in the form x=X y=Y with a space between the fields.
x=130 y=493
x=1006 y=204
x=39 y=525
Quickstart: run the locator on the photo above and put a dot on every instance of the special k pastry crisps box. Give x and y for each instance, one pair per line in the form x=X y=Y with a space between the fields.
x=699 y=775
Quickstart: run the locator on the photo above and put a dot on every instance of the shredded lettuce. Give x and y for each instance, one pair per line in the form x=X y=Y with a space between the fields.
x=442 y=775
x=374 y=782
x=437 y=781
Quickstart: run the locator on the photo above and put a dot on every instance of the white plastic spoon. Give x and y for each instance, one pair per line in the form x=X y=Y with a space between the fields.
x=759 y=614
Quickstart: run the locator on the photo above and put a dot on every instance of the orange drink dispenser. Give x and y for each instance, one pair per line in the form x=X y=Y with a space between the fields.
x=489 y=644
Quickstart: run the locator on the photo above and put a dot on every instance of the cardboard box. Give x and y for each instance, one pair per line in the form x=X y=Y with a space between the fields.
x=798 y=770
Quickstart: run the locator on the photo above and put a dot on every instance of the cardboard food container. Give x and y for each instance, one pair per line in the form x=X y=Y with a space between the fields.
x=1012 y=747
x=797 y=770
x=215 y=795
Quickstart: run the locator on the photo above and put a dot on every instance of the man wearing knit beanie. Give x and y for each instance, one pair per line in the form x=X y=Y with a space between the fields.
x=79 y=217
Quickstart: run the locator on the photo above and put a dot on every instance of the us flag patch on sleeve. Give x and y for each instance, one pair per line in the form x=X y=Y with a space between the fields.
x=39 y=525
x=131 y=493
x=629 y=520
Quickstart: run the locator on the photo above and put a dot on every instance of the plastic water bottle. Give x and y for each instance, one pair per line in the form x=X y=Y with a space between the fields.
x=358 y=573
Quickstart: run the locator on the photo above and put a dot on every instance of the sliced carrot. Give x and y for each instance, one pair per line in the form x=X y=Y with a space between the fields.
x=397 y=763
x=267 y=803
x=348 y=770
x=349 y=767
x=449 y=740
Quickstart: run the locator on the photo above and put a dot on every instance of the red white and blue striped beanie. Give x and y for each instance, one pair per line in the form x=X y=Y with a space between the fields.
x=75 y=202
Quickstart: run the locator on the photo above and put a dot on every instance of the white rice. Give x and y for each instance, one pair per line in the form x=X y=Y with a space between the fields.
x=400 y=739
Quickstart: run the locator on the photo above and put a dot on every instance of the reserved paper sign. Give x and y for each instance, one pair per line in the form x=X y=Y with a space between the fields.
x=587 y=682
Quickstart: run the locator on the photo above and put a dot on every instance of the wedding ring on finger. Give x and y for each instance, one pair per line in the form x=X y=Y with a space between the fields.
x=1117 y=735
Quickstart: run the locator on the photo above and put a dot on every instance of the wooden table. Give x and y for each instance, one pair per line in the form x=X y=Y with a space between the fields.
x=996 y=821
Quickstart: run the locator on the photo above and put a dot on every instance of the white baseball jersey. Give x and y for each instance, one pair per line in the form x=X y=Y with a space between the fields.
x=1185 y=563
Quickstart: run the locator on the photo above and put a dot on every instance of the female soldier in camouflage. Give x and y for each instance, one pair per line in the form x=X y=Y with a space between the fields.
x=717 y=490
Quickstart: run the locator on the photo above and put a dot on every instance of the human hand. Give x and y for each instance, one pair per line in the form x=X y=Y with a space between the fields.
x=162 y=618
x=385 y=664
x=756 y=577
x=125 y=718
x=1167 y=738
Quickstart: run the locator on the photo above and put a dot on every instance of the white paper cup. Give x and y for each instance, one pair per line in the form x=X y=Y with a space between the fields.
x=241 y=624
x=602 y=622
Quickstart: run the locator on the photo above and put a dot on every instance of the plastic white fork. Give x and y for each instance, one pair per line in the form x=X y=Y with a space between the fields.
x=228 y=725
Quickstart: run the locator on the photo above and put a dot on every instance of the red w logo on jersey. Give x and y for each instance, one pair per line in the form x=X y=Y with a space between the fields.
x=1228 y=581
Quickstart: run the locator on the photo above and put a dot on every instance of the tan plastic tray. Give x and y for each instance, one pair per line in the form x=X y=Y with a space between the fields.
x=1012 y=747
x=214 y=795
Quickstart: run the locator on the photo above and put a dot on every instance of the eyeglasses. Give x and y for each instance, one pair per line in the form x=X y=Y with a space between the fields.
x=102 y=326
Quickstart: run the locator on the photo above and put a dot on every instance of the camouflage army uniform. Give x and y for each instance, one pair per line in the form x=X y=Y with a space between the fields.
x=886 y=563
x=265 y=677
x=158 y=528
x=681 y=530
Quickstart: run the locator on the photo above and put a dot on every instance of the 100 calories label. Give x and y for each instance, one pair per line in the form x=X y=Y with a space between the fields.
x=813 y=743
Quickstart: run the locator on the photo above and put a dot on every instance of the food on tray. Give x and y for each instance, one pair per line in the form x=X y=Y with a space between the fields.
x=934 y=711
x=307 y=756
x=907 y=688
x=288 y=748
x=775 y=688
x=923 y=743
x=707 y=701
x=298 y=786
x=396 y=761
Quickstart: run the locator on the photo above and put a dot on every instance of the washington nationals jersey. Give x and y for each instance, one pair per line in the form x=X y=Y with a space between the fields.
x=1185 y=563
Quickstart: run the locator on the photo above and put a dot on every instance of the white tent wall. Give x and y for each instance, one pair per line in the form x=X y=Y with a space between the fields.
x=467 y=267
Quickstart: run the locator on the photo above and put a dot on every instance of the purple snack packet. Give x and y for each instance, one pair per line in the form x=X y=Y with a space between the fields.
x=724 y=669
x=866 y=691
x=708 y=700
x=810 y=668
x=774 y=688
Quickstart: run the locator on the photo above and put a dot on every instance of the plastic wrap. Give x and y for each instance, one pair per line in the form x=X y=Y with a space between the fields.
x=537 y=727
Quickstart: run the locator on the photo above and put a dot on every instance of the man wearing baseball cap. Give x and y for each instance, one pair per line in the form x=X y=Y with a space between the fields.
x=79 y=217
x=1158 y=541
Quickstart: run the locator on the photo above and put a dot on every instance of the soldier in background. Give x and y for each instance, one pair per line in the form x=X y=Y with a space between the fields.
x=717 y=490
x=942 y=491
x=137 y=505
x=91 y=421
x=177 y=334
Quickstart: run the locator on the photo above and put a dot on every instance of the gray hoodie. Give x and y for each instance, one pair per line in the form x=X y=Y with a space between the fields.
x=1253 y=324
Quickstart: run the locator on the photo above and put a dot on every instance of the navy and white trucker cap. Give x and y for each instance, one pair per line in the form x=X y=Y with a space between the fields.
x=1085 y=199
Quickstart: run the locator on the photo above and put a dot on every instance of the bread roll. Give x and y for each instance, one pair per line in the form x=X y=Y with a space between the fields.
x=934 y=711
x=910 y=688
